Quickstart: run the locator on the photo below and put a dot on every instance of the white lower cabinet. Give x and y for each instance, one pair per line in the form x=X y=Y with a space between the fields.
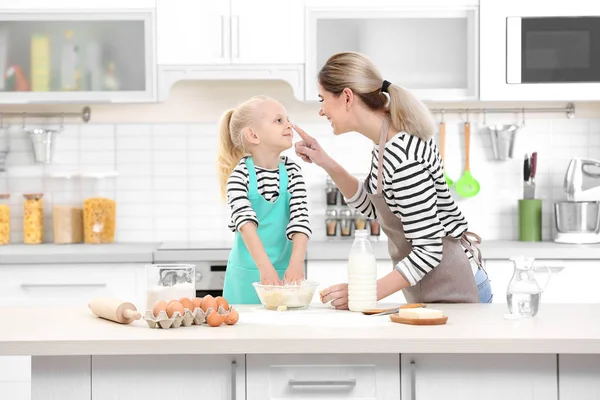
x=160 y=377
x=579 y=376
x=568 y=281
x=320 y=376
x=479 y=376
x=51 y=285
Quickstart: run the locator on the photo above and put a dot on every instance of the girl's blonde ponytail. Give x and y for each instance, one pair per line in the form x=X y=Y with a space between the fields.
x=229 y=153
x=231 y=142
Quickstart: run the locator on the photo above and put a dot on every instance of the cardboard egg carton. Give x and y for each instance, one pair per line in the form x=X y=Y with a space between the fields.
x=189 y=318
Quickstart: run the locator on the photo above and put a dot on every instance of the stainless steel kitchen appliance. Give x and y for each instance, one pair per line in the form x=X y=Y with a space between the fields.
x=577 y=220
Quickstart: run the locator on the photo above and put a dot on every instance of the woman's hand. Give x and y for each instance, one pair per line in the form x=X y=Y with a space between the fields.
x=309 y=150
x=337 y=294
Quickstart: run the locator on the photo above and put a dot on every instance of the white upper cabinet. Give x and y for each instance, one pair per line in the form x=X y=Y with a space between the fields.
x=267 y=31
x=55 y=55
x=193 y=32
x=87 y=5
x=428 y=47
x=201 y=32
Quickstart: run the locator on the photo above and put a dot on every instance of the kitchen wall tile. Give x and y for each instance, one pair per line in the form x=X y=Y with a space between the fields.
x=167 y=187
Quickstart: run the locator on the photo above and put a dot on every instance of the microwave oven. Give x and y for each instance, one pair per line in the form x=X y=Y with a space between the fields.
x=539 y=51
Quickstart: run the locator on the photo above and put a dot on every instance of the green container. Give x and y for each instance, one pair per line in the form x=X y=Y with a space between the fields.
x=530 y=220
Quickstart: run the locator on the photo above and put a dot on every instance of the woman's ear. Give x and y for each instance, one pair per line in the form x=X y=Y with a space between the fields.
x=250 y=135
x=348 y=96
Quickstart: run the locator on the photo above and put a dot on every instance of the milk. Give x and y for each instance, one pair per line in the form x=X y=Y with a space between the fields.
x=362 y=274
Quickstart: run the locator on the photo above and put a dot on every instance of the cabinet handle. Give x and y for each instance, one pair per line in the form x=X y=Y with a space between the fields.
x=236 y=35
x=413 y=380
x=349 y=382
x=59 y=285
x=223 y=33
x=233 y=380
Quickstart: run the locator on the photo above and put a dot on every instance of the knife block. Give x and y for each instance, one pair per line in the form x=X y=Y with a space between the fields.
x=530 y=220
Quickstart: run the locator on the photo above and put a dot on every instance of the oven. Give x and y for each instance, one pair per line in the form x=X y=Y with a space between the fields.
x=539 y=51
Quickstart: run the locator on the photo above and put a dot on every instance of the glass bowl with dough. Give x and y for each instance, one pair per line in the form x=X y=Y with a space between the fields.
x=295 y=296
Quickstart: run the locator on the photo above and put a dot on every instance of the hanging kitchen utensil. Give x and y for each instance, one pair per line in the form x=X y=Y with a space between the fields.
x=467 y=185
x=449 y=181
x=527 y=188
x=533 y=166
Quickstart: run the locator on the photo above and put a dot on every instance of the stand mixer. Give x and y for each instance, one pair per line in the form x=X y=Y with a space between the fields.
x=577 y=220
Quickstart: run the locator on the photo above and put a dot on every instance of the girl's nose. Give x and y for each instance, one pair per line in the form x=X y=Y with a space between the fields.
x=321 y=113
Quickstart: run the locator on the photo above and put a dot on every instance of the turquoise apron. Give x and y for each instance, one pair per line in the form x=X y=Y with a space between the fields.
x=273 y=219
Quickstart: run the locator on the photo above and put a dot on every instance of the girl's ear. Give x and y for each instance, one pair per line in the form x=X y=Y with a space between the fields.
x=250 y=135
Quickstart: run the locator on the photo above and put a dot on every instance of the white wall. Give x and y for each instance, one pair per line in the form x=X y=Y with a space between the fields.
x=165 y=154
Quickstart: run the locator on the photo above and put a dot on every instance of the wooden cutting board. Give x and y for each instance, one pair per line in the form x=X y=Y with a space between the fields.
x=418 y=321
x=372 y=311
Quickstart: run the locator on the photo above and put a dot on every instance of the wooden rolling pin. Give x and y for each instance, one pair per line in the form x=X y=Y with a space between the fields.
x=114 y=310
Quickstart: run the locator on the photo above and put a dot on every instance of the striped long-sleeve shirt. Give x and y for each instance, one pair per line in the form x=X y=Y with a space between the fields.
x=268 y=187
x=415 y=190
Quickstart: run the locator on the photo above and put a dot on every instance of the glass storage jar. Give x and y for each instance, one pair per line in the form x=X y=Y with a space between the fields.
x=331 y=223
x=67 y=211
x=331 y=193
x=4 y=218
x=346 y=223
x=99 y=207
x=33 y=218
x=360 y=221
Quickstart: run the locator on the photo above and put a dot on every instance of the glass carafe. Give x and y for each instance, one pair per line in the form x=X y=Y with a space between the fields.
x=524 y=292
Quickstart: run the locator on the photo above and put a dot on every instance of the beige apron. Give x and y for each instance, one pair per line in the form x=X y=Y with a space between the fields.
x=452 y=280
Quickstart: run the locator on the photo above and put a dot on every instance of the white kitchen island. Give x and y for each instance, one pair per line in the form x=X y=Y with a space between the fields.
x=316 y=353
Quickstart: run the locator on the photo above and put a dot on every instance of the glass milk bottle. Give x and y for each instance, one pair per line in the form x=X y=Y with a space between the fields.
x=362 y=273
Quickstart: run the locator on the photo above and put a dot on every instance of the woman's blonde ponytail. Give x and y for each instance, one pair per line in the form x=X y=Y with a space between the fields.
x=410 y=114
x=357 y=72
x=229 y=153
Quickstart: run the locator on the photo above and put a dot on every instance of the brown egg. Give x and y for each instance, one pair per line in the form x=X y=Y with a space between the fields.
x=173 y=301
x=187 y=303
x=232 y=317
x=197 y=302
x=215 y=319
x=173 y=307
x=209 y=302
x=221 y=302
x=160 y=305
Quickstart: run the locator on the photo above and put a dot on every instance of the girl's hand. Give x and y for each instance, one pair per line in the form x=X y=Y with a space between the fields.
x=294 y=273
x=268 y=276
x=337 y=294
x=309 y=150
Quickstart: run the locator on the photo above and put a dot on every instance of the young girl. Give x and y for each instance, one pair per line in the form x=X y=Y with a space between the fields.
x=267 y=197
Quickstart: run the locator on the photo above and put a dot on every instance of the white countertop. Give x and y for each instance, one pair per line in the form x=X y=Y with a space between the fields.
x=471 y=328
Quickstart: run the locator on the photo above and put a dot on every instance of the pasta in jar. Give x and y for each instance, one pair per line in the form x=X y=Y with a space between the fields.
x=99 y=220
x=33 y=219
x=4 y=219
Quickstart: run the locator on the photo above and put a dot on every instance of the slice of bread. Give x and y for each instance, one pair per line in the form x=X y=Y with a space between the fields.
x=420 y=313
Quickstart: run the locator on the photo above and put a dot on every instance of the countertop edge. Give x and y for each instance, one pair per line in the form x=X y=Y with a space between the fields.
x=303 y=346
x=325 y=250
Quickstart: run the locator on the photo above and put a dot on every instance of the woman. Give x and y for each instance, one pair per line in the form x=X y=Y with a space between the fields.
x=434 y=257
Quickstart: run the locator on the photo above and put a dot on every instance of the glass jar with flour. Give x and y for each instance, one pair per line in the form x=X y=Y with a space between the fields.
x=169 y=282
